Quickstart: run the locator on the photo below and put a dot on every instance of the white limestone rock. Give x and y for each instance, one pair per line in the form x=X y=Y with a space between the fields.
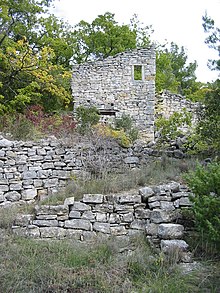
x=170 y=231
x=93 y=198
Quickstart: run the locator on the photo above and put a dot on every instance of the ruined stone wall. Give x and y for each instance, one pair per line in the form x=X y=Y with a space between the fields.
x=167 y=103
x=110 y=85
x=154 y=210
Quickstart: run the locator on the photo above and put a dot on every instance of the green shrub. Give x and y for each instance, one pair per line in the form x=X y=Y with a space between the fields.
x=205 y=185
x=125 y=123
x=170 y=128
x=86 y=118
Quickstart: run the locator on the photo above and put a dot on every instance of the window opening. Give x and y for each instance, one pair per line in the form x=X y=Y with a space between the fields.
x=137 y=72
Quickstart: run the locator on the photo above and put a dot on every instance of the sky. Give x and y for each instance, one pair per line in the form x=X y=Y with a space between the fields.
x=172 y=20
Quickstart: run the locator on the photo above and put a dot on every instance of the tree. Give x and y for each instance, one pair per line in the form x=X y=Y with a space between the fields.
x=31 y=78
x=173 y=72
x=208 y=127
x=102 y=38
x=213 y=39
x=34 y=57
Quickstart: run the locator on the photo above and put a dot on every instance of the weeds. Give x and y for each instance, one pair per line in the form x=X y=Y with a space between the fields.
x=154 y=173
x=63 y=266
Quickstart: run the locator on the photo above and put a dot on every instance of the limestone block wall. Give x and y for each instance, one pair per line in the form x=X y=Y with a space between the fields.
x=153 y=210
x=33 y=170
x=167 y=103
x=111 y=86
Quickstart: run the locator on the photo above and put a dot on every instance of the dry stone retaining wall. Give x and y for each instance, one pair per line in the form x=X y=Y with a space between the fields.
x=31 y=171
x=154 y=210
x=34 y=170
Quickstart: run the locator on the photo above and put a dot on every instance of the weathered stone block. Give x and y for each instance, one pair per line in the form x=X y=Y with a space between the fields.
x=46 y=217
x=142 y=213
x=23 y=220
x=131 y=160
x=128 y=198
x=170 y=231
x=12 y=196
x=167 y=246
x=185 y=202
x=51 y=182
x=118 y=230
x=146 y=192
x=174 y=187
x=45 y=223
x=152 y=229
x=138 y=224
x=4 y=188
x=29 y=175
x=88 y=215
x=159 y=216
x=154 y=198
x=114 y=218
x=105 y=208
x=74 y=215
x=88 y=236
x=79 y=206
x=78 y=224
x=122 y=208
x=33 y=231
x=47 y=166
x=16 y=186
x=2 y=197
x=93 y=198
x=69 y=201
x=101 y=217
x=155 y=204
x=102 y=227
x=166 y=205
x=52 y=232
x=28 y=194
x=127 y=218
x=74 y=234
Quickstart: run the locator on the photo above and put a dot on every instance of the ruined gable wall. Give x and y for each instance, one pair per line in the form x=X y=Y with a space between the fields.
x=110 y=84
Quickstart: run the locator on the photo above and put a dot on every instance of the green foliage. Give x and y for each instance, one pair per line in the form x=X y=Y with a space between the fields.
x=104 y=37
x=208 y=128
x=205 y=185
x=33 y=60
x=170 y=128
x=125 y=123
x=213 y=40
x=86 y=117
x=173 y=72
x=34 y=124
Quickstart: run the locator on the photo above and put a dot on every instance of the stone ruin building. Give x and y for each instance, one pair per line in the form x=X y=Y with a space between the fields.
x=125 y=84
x=122 y=84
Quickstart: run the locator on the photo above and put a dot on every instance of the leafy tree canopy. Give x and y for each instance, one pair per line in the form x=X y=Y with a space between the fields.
x=213 y=39
x=34 y=56
x=173 y=71
x=104 y=37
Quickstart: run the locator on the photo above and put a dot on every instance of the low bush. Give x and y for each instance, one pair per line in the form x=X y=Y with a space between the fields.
x=34 y=123
x=86 y=118
x=125 y=124
x=205 y=185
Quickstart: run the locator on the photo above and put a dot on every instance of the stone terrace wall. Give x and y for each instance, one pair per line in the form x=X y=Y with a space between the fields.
x=154 y=210
x=33 y=170
x=110 y=86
